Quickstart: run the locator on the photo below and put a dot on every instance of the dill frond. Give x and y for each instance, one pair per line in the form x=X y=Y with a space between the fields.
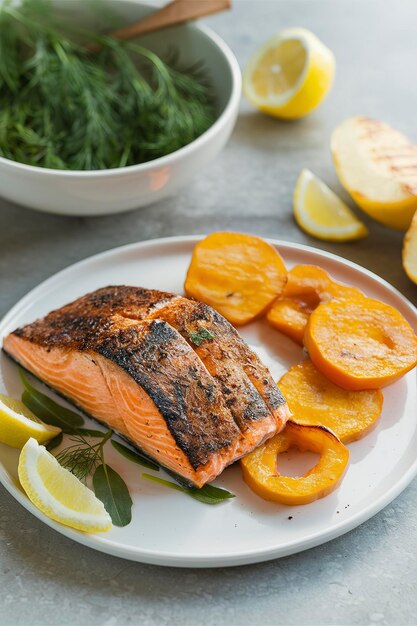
x=81 y=458
x=62 y=107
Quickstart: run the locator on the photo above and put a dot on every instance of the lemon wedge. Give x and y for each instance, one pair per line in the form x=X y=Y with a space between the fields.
x=321 y=213
x=290 y=74
x=377 y=166
x=58 y=493
x=18 y=424
x=410 y=251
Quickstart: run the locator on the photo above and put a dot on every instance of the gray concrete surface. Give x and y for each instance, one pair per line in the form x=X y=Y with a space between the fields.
x=366 y=577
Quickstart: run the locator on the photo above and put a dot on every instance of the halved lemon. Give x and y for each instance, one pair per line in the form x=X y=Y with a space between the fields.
x=290 y=74
x=322 y=214
x=377 y=165
x=410 y=251
x=58 y=493
x=18 y=424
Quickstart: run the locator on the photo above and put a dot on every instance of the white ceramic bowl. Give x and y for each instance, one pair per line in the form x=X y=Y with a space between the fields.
x=102 y=192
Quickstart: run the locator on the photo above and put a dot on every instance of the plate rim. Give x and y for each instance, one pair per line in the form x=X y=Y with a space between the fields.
x=240 y=557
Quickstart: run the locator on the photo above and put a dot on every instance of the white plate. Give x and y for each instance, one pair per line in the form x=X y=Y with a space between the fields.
x=169 y=528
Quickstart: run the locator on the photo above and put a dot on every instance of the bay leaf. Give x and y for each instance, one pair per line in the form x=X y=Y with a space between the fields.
x=48 y=410
x=207 y=494
x=112 y=490
x=134 y=456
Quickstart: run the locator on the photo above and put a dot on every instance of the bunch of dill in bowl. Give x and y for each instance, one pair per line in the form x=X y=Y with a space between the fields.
x=64 y=107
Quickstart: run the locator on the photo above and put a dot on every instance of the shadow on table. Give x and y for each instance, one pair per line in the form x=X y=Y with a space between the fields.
x=262 y=132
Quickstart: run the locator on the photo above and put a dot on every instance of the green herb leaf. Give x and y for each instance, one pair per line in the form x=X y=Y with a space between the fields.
x=162 y=481
x=82 y=457
x=136 y=457
x=62 y=107
x=207 y=494
x=55 y=442
x=50 y=412
x=203 y=334
x=216 y=492
x=47 y=409
x=112 y=490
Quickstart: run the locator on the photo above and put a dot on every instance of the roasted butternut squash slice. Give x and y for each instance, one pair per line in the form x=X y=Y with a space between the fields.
x=239 y=275
x=290 y=315
x=311 y=279
x=261 y=467
x=307 y=279
x=314 y=400
x=307 y=286
x=360 y=343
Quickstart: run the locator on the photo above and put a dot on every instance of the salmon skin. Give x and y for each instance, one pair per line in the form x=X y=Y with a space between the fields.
x=169 y=374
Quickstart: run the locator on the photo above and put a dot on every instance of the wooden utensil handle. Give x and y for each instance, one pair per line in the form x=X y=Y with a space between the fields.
x=175 y=12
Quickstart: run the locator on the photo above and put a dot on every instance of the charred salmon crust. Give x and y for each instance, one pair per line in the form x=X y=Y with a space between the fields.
x=187 y=397
x=246 y=383
x=84 y=323
x=107 y=392
x=127 y=357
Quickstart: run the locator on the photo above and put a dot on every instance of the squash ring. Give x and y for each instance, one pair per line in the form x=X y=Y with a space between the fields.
x=260 y=472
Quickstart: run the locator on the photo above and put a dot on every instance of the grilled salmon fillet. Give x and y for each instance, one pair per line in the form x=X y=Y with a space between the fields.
x=169 y=374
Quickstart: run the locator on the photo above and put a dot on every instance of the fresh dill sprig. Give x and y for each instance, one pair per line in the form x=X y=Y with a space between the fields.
x=65 y=108
x=82 y=458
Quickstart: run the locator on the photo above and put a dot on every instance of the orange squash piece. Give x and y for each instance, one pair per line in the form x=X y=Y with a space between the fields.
x=314 y=400
x=307 y=286
x=307 y=279
x=311 y=279
x=290 y=315
x=260 y=467
x=360 y=343
x=239 y=275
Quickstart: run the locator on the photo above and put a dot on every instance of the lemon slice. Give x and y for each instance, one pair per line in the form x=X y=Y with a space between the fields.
x=290 y=74
x=377 y=165
x=18 y=424
x=322 y=214
x=58 y=493
x=410 y=251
